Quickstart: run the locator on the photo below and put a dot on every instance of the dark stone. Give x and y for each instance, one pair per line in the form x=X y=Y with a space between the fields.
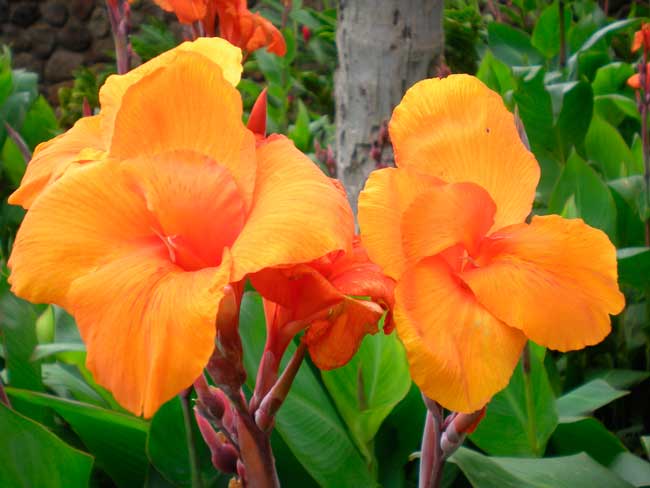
x=55 y=13
x=61 y=65
x=75 y=36
x=81 y=9
x=102 y=51
x=17 y=38
x=98 y=24
x=28 y=62
x=25 y=14
x=52 y=91
x=43 y=40
x=4 y=11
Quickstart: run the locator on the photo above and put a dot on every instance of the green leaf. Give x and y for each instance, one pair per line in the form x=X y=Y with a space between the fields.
x=632 y=189
x=307 y=421
x=43 y=351
x=593 y=200
x=645 y=442
x=495 y=74
x=520 y=419
x=367 y=388
x=299 y=133
x=512 y=46
x=621 y=378
x=605 y=146
x=40 y=123
x=66 y=381
x=168 y=450
x=18 y=327
x=634 y=266
x=614 y=108
x=632 y=469
x=34 y=457
x=601 y=33
x=611 y=79
x=561 y=472
x=587 y=435
x=573 y=104
x=116 y=440
x=546 y=37
x=587 y=398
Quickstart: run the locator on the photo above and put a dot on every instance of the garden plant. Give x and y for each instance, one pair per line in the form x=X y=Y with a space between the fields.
x=204 y=285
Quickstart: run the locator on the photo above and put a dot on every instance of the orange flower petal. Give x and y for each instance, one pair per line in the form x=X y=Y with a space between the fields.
x=187 y=106
x=288 y=215
x=458 y=353
x=634 y=81
x=83 y=221
x=555 y=279
x=460 y=131
x=220 y=53
x=332 y=343
x=52 y=158
x=195 y=201
x=187 y=11
x=160 y=318
x=458 y=213
x=385 y=197
x=258 y=32
x=637 y=42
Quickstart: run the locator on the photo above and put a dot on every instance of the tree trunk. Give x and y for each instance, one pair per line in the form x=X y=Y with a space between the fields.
x=384 y=46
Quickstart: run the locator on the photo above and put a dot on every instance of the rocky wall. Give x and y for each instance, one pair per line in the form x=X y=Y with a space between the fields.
x=53 y=37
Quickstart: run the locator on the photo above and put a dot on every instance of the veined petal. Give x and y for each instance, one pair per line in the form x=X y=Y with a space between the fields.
x=382 y=203
x=298 y=215
x=222 y=55
x=459 y=354
x=459 y=130
x=555 y=279
x=446 y=215
x=196 y=204
x=84 y=220
x=52 y=158
x=148 y=325
x=204 y=117
x=333 y=342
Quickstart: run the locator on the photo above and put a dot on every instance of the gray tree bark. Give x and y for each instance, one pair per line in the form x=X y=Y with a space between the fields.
x=384 y=46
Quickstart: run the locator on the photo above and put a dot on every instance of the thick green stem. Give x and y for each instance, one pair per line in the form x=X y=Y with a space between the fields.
x=195 y=472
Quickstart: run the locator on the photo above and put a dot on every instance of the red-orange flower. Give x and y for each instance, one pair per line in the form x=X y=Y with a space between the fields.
x=641 y=38
x=139 y=217
x=634 y=81
x=238 y=25
x=474 y=280
x=339 y=298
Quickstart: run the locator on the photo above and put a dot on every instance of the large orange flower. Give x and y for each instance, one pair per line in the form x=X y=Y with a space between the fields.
x=140 y=216
x=238 y=25
x=474 y=280
x=340 y=298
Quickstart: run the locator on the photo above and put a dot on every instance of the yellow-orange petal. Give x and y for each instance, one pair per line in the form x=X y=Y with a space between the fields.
x=149 y=326
x=187 y=105
x=332 y=343
x=220 y=53
x=84 y=220
x=446 y=215
x=297 y=216
x=52 y=158
x=459 y=130
x=385 y=197
x=555 y=279
x=459 y=354
x=634 y=81
x=637 y=42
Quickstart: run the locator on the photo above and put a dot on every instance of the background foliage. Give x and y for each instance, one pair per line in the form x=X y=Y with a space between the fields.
x=565 y=420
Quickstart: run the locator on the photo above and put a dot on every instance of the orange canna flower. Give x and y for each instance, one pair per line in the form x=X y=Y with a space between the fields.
x=641 y=38
x=634 y=81
x=140 y=216
x=238 y=25
x=474 y=280
x=325 y=297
